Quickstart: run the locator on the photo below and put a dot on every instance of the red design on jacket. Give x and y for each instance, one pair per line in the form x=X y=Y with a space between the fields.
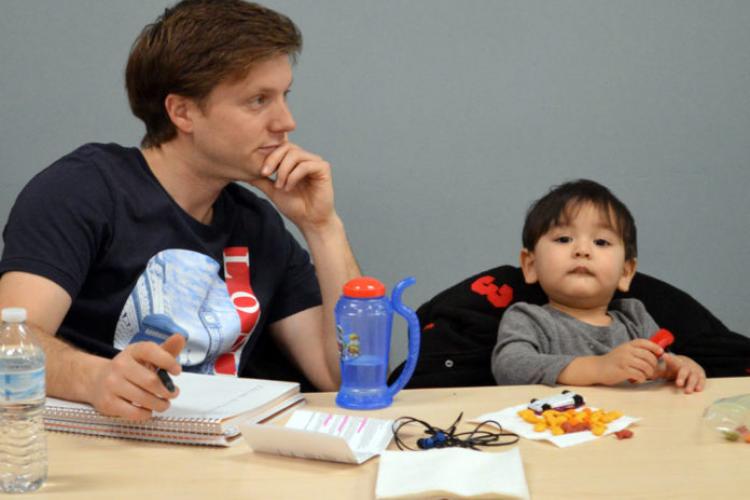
x=500 y=296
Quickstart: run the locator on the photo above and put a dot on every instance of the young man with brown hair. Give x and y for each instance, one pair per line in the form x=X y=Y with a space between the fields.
x=130 y=259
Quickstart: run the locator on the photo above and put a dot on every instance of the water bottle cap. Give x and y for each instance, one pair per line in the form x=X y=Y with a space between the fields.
x=13 y=314
x=364 y=288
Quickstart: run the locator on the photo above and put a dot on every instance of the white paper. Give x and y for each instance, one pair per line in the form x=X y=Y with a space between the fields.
x=451 y=473
x=510 y=420
x=222 y=397
x=322 y=436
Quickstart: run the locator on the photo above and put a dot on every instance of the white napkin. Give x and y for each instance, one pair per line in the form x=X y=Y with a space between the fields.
x=451 y=473
x=510 y=420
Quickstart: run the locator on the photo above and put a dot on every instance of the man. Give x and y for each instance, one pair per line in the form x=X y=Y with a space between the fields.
x=152 y=254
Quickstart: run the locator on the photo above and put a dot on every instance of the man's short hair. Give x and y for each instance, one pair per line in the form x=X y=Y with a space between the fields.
x=195 y=45
x=563 y=201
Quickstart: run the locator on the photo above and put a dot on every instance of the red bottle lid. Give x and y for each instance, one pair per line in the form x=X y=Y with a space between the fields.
x=364 y=287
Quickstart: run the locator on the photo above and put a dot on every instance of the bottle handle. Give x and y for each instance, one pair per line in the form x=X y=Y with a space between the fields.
x=414 y=334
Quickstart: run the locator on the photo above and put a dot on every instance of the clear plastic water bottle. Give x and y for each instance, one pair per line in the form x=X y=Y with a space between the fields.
x=23 y=445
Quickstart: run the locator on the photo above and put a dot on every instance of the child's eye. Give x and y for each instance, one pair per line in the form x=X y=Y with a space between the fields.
x=563 y=239
x=601 y=242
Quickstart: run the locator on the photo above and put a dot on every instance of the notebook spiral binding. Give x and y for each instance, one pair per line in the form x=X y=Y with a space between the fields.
x=56 y=417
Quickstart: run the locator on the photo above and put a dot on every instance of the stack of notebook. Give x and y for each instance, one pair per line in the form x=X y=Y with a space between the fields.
x=207 y=411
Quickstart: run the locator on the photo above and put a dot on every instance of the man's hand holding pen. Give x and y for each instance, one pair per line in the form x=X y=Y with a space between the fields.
x=136 y=382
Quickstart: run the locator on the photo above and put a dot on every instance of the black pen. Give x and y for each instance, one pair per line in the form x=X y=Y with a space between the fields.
x=165 y=379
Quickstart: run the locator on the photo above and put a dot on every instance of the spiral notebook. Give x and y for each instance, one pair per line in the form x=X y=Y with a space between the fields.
x=207 y=411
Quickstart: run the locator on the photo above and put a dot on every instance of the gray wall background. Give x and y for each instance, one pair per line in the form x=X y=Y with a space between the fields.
x=443 y=120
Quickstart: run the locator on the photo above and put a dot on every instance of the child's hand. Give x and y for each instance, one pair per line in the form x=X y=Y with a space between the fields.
x=684 y=371
x=636 y=361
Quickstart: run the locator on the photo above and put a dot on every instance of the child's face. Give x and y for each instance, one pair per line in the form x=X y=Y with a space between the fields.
x=581 y=263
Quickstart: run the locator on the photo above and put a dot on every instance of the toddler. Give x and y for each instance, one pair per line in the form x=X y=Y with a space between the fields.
x=579 y=244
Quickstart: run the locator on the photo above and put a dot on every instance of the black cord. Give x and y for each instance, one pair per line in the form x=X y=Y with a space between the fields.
x=447 y=438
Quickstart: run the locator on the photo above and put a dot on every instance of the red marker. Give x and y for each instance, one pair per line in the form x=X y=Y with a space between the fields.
x=663 y=338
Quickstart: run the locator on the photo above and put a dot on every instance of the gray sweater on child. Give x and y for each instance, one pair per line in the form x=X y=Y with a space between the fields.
x=535 y=343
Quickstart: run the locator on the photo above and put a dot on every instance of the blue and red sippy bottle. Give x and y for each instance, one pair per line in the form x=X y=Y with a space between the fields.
x=364 y=316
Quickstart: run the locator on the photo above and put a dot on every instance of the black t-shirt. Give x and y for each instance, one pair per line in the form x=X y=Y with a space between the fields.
x=98 y=223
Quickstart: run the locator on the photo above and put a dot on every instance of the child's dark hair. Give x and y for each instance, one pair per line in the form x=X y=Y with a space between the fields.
x=554 y=208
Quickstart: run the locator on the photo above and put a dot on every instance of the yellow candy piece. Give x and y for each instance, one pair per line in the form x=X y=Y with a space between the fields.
x=598 y=430
x=529 y=416
x=611 y=416
x=554 y=418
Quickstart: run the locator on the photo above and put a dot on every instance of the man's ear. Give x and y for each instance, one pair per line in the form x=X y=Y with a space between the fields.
x=628 y=271
x=179 y=109
x=528 y=266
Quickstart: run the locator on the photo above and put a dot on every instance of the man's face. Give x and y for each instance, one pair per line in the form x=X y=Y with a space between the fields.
x=243 y=121
x=581 y=263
